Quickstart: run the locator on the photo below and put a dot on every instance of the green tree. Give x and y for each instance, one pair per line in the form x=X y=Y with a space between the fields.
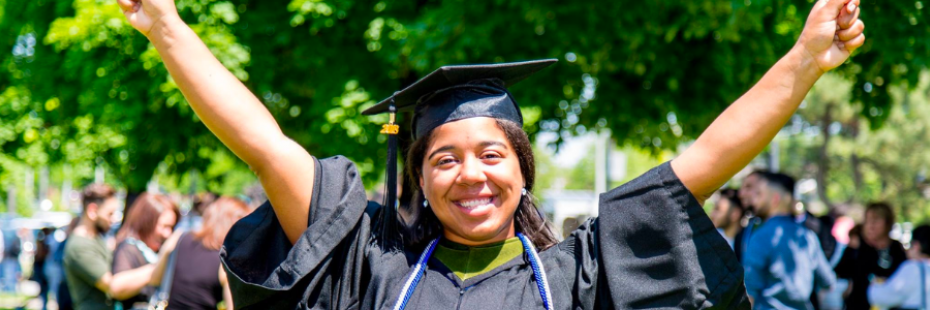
x=854 y=163
x=81 y=88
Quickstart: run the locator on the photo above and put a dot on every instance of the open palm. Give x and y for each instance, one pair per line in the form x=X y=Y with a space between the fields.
x=833 y=31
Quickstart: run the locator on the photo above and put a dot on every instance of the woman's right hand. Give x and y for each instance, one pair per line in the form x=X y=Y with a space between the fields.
x=144 y=15
x=230 y=111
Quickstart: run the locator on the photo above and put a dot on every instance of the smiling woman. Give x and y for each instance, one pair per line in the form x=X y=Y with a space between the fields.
x=495 y=173
x=474 y=239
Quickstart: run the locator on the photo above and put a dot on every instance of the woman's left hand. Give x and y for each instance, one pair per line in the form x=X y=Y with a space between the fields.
x=832 y=32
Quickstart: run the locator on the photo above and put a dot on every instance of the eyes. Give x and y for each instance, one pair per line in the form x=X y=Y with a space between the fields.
x=489 y=157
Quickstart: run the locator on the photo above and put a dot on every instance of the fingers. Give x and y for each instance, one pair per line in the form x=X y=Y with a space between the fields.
x=833 y=7
x=125 y=5
x=853 y=44
x=852 y=32
x=849 y=15
x=852 y=6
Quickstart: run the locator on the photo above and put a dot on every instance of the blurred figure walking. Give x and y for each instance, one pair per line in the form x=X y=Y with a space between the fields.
x=198 y=280
x=907 y=288
x=747 y=191
x=727 y=215
x=10 y=270
x=784 y=262
x=39 y=263
x=87 y=258
x=875 y=259
x=151 y=221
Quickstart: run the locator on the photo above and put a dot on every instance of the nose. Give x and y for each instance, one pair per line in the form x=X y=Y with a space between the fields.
x=472 y=172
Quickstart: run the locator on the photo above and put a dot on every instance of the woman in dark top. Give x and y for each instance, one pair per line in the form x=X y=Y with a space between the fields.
x=877 y=257
x=198 y=281
x=150 y=222
x=319 y=244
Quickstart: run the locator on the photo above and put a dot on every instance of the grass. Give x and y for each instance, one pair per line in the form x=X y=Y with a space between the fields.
x=9 y=301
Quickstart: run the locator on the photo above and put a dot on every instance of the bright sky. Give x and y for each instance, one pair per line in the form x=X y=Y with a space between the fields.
x=572 y=151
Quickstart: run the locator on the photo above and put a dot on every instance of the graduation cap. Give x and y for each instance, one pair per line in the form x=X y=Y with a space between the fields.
x=453 y=93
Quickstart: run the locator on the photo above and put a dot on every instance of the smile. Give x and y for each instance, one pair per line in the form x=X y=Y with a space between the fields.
x=471 y=204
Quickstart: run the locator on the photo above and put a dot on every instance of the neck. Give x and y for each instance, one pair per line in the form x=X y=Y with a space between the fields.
x=780 y=211
x=85 y=228
x=880 y=243
x=506 y=233
x=731 y=231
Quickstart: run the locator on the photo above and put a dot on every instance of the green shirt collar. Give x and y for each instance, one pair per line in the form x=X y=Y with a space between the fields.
x=471 y=261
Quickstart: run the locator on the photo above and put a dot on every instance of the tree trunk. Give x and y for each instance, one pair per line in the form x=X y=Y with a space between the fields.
x=823 y=163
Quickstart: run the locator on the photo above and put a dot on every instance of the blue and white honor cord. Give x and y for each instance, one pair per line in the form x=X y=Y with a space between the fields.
x=539 y=272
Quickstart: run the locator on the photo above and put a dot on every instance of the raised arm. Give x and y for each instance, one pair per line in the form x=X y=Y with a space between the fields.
x=230 y=111
x=832 y=32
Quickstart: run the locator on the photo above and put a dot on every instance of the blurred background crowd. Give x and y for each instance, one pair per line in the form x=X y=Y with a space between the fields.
x=849 y=258
x=116 y=251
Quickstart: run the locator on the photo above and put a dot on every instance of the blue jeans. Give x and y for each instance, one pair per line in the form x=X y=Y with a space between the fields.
x=10 y=276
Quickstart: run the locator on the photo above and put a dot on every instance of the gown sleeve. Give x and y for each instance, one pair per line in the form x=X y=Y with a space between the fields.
x=653 y=246
x=322 y=269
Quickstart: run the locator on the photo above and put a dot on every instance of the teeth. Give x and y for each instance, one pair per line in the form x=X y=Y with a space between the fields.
x=470 y=204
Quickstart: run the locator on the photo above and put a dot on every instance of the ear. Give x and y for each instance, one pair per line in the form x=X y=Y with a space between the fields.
x=91 y=211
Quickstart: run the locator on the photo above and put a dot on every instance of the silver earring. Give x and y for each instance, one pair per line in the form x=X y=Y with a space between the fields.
x=425 y=203
x=524 y=191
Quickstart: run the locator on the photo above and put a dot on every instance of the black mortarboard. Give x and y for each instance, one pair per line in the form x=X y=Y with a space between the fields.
x=454 y=93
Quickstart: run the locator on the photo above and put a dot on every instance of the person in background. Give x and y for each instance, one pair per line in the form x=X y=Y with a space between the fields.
x=784 y=262
x=63 y=294
x=42 y=254
x=11 y=270
x=87 y=258
x=150 y=222
x=727 y=214
x=199 y=282
x=834 y=298
x=855 y=237
x=746 y=191
x=2 y=255
x=193 y=219
x=877 y=256
x=908 y=286
x=823 y=228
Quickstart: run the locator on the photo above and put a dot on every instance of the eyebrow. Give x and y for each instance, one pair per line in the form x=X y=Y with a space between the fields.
x=483 y=144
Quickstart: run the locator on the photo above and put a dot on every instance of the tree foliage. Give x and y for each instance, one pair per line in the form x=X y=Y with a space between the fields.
x=855 y=164
x=80 y=87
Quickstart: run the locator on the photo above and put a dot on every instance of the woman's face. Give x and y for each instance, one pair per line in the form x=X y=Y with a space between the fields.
x=472 y=180
x=163 y=229
x=720 y=215
x=874 y=228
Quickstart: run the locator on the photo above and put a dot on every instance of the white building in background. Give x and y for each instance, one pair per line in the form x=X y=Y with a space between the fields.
x=567 y=209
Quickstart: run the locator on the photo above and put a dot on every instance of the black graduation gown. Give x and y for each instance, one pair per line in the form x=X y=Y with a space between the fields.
x=652 y=247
